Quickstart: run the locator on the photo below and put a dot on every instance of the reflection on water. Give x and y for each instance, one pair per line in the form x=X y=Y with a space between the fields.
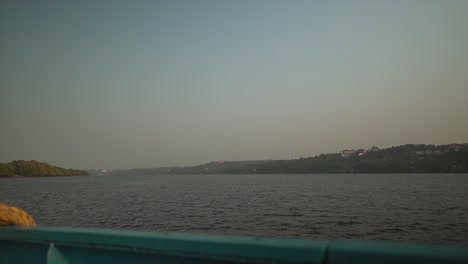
x=418 y=208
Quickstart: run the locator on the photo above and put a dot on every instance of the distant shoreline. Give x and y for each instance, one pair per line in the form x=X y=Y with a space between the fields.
x=33 y=168
x=404 y=159
x=40 y=176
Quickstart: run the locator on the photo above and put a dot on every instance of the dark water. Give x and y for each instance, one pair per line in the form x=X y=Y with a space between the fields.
x=429 y=208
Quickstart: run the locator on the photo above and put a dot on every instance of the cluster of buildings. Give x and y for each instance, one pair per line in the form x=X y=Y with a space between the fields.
x=430 y=152
x=351 y=152
x=426 y=150
x=440 y=150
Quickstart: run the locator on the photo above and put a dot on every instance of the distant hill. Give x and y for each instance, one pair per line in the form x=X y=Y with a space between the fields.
x=409 y=158
x=35 y=168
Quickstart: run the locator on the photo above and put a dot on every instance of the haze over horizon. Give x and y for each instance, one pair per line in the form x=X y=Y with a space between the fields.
x=125 y=84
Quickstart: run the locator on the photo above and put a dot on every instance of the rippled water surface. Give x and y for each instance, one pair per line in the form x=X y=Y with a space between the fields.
x=414 y=208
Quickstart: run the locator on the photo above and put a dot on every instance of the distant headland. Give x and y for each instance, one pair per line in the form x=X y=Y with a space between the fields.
x=32 y=168
x=410 y=158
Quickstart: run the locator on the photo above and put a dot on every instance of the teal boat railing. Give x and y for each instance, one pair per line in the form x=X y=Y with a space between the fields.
x=79 y=245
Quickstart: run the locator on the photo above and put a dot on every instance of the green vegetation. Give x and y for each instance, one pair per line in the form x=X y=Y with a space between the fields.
x=402 y=159
x=35 y=168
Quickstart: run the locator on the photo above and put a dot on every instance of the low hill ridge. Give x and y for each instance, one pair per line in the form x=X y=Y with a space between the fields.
x=34 y=168
x=410 y=158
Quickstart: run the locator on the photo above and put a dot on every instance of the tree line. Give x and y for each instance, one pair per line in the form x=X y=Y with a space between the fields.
x=408 y=158
x=35 y=168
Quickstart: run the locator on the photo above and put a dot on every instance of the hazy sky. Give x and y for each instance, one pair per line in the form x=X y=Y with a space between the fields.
x=121 y=84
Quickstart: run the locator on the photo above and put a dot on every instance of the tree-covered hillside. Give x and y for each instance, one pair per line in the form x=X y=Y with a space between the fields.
x=401 y=159
x=409 y=158
x=35 y=168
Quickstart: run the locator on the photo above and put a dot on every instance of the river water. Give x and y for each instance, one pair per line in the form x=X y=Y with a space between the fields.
x=428 y=208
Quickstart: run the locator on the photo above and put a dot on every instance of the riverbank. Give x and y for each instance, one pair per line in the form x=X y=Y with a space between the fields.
x=32 y=168
x=409 y=158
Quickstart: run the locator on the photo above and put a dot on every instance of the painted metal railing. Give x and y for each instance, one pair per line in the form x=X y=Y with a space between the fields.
x=78 y=245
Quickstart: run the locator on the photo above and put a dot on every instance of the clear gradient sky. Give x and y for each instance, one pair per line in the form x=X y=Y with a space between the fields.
x=122 y=84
